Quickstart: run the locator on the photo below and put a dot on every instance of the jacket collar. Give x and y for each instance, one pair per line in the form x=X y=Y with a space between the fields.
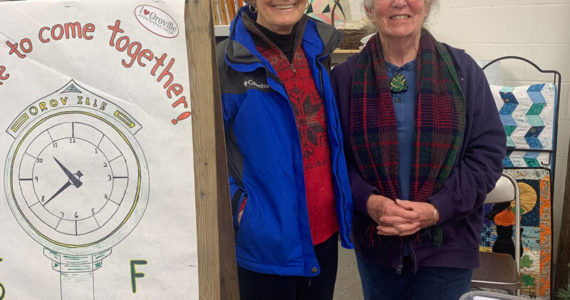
x=318 y=38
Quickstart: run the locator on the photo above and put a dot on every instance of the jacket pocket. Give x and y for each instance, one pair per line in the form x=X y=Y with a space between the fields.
x=240 y=210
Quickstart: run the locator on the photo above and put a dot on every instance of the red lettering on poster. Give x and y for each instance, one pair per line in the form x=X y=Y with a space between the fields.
x=161 y=66
x=25 y=46
x=137 y=53
x=3 y=77
x=70 y=30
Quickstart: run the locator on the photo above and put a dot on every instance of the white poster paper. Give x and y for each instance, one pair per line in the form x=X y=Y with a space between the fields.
x=96 y=139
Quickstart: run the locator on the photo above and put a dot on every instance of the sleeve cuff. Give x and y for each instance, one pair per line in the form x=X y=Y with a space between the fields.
x=360 y=193
x=445 y=211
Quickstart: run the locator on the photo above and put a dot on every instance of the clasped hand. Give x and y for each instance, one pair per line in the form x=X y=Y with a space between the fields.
x=400 y=217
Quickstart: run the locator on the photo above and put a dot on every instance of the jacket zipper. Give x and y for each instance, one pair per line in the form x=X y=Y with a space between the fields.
x=268 y=74
x=278 y=80
x=343 y=196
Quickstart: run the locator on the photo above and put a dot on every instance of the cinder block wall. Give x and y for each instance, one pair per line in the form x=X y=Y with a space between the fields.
x=535 y=29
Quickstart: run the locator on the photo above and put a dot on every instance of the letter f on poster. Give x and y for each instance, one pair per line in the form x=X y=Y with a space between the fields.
x=135 y=274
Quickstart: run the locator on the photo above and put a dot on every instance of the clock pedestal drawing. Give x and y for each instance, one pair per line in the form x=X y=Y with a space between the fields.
x=76 y=180
x=76 y=273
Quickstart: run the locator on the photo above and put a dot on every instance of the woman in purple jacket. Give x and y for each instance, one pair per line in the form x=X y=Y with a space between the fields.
x=424 y=146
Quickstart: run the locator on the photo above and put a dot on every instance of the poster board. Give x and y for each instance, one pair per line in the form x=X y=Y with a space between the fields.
x=99 y=151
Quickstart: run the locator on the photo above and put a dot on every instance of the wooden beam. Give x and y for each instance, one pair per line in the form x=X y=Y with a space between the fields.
x=561 y=275
x=216 y=255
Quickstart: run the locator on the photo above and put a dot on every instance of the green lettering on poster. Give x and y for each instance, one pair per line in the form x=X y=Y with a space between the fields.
x=135 y=274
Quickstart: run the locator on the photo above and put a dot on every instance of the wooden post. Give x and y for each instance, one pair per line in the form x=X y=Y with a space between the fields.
x=561 y=276
x=217 y=269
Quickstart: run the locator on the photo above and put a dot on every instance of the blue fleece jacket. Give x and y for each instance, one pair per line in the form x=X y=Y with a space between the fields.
x=264 y=152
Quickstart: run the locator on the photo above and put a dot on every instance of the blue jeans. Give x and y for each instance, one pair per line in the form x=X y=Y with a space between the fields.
x=428 y=283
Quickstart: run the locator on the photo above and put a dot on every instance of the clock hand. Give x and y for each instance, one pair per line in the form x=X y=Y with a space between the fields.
x=65 y=186
x=74 y=180
x=61 y=189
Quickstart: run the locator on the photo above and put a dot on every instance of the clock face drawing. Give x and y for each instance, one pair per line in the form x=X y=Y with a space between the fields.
x=77 y=179
x=95 y=189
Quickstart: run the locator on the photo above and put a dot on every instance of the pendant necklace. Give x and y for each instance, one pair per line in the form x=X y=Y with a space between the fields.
x=398 y=83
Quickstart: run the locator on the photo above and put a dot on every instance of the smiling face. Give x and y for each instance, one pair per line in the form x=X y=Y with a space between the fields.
x=398 y=18
x=279 y=16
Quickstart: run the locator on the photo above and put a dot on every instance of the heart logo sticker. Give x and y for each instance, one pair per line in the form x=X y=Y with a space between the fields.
x=156 y=21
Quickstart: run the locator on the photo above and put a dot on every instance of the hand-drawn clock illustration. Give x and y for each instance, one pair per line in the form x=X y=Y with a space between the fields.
x=76 y=180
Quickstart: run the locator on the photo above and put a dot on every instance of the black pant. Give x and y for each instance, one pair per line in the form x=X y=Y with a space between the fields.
x=257 y=286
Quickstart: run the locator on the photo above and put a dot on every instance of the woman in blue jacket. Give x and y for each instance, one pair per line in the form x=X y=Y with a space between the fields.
x=289 y=184
x=425 y=145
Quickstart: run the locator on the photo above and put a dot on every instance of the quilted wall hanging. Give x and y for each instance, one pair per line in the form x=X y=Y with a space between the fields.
x=529 y=117
x=536 y=232
x=321 y=10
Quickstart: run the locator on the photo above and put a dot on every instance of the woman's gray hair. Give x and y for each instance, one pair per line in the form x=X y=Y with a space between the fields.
x=369 y=5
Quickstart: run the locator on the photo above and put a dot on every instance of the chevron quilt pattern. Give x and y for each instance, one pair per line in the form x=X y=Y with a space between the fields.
x=527 y=113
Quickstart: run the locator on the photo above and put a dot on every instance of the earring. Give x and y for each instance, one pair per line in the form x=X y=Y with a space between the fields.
x=252 y=9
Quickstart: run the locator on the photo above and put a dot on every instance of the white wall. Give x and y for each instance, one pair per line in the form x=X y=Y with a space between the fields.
x=535 y=29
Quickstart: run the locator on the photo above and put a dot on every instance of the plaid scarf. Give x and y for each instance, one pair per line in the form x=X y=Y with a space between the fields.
x=439 y=115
